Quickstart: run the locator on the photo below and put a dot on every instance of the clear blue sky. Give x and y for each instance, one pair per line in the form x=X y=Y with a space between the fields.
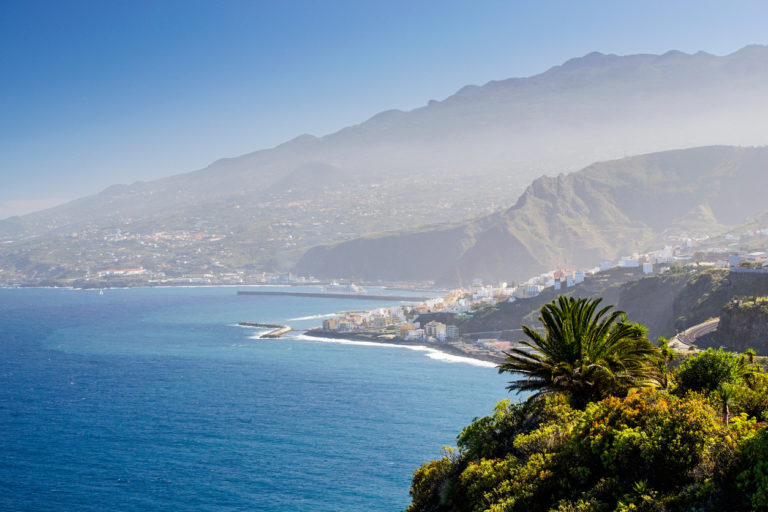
x=102 y=92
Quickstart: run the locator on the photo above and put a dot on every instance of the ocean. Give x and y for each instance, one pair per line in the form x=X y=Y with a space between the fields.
x=154 y=399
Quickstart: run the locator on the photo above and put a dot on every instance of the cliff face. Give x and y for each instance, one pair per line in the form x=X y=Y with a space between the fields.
x=672 y=303
x=601 y=212
x=744 y=324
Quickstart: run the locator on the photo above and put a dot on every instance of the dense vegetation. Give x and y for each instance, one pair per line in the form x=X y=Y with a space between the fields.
x=649 y=436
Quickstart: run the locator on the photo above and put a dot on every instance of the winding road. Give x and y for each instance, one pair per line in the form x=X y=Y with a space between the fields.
x=684 y=340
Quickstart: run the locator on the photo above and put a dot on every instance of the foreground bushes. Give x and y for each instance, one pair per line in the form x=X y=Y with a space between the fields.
x=651 y=450
x=610 y=427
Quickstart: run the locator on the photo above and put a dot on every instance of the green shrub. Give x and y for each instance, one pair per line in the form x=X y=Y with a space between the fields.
x=707 y=370
x=428 y=481
x=491 y=437
x=505 y=431
x=753 y=401
x=752 y=481
x=650 y=436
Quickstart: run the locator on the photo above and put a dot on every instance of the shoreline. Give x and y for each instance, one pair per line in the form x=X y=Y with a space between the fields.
x=444 y=347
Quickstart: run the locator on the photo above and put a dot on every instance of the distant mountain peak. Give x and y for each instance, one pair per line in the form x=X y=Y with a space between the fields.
x=752 y=50
x=675 y=54
x=392 y=114
x=589 y=60
x=304 y=138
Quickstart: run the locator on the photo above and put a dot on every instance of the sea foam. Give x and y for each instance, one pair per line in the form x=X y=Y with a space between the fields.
x=312 y=317
x=432 y=353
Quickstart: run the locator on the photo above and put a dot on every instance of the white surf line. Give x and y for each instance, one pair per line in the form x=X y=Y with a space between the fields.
x=451 y=358
x=432 y=353
x=312 y=317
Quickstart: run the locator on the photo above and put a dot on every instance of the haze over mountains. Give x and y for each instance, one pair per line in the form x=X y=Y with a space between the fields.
x=572 y=221
x=450 y=160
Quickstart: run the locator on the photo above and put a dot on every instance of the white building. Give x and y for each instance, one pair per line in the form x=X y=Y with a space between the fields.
x=628 y=262
x=436 y=330
x=665 y=255
x=432 y=303
x=533 y=290
x=647 y=268
x=484 y=293
x=606 y=265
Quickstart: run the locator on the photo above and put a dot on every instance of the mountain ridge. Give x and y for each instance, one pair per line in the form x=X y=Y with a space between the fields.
x=592 y=62
x=575 y=220
x=443 y=162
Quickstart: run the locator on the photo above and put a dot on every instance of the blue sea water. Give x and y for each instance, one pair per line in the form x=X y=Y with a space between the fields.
x=154 y=399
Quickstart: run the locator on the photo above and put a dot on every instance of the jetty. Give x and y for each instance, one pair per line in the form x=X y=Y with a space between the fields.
x=351 y=296
x=276 y=332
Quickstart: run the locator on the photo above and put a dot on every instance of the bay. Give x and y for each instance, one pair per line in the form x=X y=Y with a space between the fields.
x=154 y=399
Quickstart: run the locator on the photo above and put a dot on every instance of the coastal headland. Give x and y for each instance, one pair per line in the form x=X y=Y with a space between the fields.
x=353 y=296
x=456 y=348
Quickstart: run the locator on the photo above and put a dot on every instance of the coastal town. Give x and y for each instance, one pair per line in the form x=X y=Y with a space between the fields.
x=413 y=324
x=439 y=321
x=253 y=240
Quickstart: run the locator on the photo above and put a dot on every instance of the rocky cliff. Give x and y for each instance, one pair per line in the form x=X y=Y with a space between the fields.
x=744 y=324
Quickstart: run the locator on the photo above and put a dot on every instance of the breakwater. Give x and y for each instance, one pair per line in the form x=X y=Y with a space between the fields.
x=352 y=296
x=276 y=332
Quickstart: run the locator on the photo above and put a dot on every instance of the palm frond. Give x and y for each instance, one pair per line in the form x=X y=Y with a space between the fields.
x=584 y=351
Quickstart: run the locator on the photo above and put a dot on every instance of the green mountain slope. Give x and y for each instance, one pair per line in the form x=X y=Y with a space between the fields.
x=603 y=211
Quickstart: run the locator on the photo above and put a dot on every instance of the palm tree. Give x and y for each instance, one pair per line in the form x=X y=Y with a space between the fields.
x=727 y=395
x=666 y=358
x=586 y=353
x=747 y=369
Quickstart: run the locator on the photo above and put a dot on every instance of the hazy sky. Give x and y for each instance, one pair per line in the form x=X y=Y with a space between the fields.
x=102 y=92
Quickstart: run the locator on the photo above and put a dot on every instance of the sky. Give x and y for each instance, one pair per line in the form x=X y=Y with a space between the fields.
x=105 y=92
